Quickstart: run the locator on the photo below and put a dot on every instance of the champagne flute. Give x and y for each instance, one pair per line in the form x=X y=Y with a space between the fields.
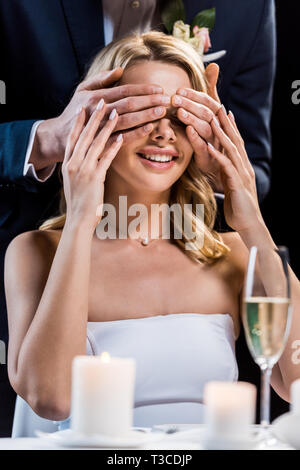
x=267 y=316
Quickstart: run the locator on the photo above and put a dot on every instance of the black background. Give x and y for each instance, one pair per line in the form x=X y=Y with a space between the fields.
x=281 y=206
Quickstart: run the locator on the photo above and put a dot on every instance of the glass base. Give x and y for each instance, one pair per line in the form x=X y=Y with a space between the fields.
x=266 y=440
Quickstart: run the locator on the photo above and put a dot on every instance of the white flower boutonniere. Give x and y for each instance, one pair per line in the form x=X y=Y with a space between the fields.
x=197 y=34
x=181 y=30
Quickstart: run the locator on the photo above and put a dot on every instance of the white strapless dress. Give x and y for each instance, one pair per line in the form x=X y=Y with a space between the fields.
x=176 y=355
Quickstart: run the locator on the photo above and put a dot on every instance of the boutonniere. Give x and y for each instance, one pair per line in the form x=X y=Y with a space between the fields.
x=197 y=34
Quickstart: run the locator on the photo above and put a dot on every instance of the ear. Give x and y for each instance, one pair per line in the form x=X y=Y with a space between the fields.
x=212 y=75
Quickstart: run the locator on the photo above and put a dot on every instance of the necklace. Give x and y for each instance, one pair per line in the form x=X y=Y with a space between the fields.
x=145 y=241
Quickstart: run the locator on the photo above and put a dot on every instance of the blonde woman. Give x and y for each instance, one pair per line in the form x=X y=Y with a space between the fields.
x=176 y=310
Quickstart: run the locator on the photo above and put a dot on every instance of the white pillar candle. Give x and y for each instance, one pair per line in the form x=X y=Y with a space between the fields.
x=295 y=397
x=102 y=394
x=230 y=409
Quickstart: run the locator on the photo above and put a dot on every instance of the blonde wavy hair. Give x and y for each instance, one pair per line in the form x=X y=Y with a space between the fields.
x=193 y=187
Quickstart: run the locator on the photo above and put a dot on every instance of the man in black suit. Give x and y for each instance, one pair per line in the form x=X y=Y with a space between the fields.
x=45 y=48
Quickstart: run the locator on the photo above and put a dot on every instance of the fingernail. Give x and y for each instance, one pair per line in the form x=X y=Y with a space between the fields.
x=232 y=115
x=112 y=114
x=224 y=109
x=183 y=113
x=210 y=146
x=158 y=110
x=166 y=99
x=182 y=92
x=100 y=104
x=120 y=137
x=216 y=121
x=78 y=110
x=177 y=100
x=147 y=127
x=157 y=89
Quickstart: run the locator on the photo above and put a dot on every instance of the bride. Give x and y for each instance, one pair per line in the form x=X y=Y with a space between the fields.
x=175 y=310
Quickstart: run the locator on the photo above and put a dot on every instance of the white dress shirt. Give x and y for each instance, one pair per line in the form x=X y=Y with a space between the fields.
x=120 y=18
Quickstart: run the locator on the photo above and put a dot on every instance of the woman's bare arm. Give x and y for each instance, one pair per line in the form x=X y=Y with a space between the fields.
x=47 y=289
x=47 y=315
x=243 y=214
x=286 y=370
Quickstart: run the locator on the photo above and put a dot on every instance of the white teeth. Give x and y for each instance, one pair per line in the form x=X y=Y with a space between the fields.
x=159 y=158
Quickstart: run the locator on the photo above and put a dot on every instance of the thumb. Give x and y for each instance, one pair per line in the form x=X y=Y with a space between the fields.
x=212 y=75
x=101 y=80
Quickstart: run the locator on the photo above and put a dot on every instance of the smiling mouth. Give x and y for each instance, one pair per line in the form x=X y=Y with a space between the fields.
x=157 y=158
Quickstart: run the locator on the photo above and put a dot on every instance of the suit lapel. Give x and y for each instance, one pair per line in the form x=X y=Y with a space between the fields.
x=84 y=20
x=192 y=7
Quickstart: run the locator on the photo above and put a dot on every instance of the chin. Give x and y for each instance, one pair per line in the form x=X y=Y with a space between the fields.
x=151 y=185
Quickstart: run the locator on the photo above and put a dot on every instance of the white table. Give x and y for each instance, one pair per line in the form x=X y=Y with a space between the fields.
x=30 y=443
x=168 y=442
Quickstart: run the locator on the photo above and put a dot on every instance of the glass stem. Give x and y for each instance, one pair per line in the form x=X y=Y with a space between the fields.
x=265 y=396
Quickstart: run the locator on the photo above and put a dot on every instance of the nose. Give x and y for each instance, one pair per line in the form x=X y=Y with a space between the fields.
x=163 y=131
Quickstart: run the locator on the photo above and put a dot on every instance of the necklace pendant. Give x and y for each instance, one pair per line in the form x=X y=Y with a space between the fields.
x=145 y=241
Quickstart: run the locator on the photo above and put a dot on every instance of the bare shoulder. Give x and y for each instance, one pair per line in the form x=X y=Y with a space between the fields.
x=235 y=243
x=32 y=246
x=238 y=255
